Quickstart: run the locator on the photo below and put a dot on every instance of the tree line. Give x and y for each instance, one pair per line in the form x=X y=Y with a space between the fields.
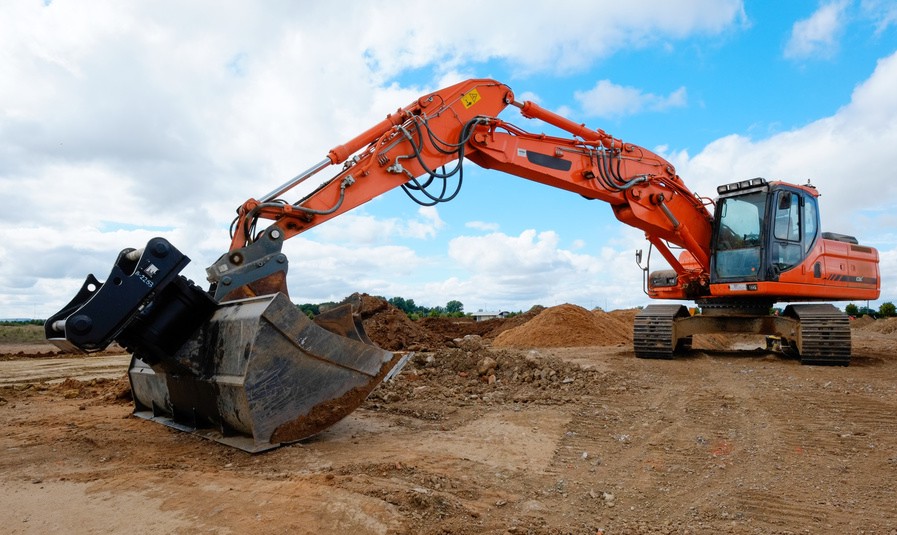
x=886 y=310
x=452 y=309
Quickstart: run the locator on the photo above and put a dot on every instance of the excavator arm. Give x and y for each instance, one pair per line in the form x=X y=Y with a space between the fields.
x=412 y=147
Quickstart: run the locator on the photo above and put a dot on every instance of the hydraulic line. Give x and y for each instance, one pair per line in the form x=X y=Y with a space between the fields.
x=456 y=149
x=252 y=217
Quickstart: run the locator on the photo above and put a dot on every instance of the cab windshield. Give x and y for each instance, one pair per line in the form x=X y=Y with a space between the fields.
x=738 y=236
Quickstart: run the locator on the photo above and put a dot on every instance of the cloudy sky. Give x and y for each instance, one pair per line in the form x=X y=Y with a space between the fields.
x=120 y=121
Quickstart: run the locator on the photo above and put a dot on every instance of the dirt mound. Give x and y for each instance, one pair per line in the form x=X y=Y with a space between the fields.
x=389 y=327
x=454 y=328
x=114 y=390
x=482 y=376
x=625 y=315
x=884 y=326
x=861 y=321
x=617 y=327
x=451 y=328
x=499 y=326
x=566 y=326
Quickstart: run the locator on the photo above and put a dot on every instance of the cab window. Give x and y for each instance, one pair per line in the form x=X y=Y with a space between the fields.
x=786 y=248
x=811 y=220
x=738 y=237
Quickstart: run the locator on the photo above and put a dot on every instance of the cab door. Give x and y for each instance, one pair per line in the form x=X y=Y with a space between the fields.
x=738 y=238
x=794 y=227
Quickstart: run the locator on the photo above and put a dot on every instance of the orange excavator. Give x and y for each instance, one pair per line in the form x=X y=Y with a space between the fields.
x=240 y=363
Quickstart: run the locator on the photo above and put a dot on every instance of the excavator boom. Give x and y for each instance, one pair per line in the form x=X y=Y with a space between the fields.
x=460 y=123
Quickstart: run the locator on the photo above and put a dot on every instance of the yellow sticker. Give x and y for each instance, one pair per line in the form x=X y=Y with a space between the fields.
x=470 y=98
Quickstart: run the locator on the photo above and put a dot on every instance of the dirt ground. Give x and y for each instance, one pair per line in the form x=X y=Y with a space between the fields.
x=475 y=438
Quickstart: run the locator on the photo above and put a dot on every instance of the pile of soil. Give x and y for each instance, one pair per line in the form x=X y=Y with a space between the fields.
x=618 y=323
x=454 y=328
x=625 y=316
x=109 y=390
x=884 y=326
x=862 y=321
x=499 y=326
x=567 y=326
x=389 y=327
x=475 y=374
x=392 y=330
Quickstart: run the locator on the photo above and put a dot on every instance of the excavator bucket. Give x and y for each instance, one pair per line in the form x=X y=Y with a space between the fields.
x=261 y=374
x=251 y=373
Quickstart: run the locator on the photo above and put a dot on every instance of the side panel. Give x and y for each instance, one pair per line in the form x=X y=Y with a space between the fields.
x=840 y=265
x=833 y=270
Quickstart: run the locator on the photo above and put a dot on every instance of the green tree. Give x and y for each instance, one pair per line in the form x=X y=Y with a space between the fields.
x=309 y=309
x=399 y=303
x=454 y=307
x=851 y=309
x=887 y=310
x=405 y=305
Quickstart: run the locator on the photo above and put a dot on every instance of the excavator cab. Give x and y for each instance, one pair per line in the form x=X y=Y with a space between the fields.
x=762 y=230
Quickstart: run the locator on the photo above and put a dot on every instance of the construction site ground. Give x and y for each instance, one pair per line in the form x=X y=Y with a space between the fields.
x=546 y=423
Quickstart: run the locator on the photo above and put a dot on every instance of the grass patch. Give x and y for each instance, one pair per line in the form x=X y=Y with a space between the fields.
x=22 y=334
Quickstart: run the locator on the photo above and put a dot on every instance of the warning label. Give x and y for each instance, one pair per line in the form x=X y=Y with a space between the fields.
x=470 y=98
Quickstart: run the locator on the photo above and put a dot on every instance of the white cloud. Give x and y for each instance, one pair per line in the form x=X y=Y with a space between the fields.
x=324 y=271
x=883 y=12
x=610 y=100
x=363 y=228
x=498 y=254
x=817 y=35
x=888 y=267
x=564 y=42
x=427 y=225
x=483 y=225
x=514 y=272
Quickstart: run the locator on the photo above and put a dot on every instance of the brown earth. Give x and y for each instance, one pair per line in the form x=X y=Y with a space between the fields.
x=475 y=438
x=567 y=326
x=390 y=328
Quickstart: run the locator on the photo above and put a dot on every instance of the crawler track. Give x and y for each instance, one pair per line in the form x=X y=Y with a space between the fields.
x=653 y=331
x=818 y=334
x=824 y=334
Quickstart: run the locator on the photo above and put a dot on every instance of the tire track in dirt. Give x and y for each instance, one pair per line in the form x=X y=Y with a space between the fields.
x=19 y=372
x=825 y=435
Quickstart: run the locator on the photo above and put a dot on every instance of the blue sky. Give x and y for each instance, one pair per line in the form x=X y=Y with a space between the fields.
x=119 y=122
